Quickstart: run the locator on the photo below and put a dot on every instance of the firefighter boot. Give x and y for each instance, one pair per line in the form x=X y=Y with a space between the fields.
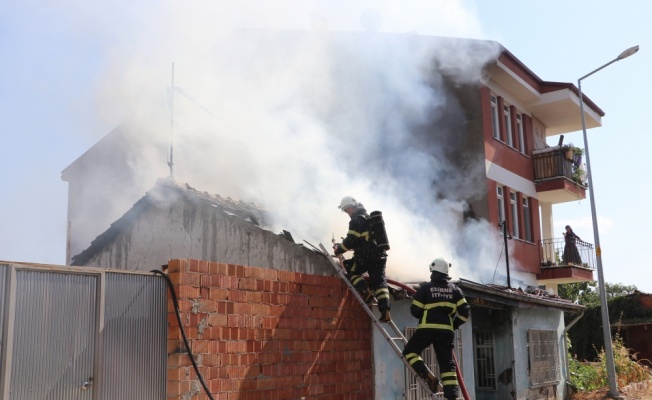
x=383 y=306
x=450 y=392
x=431 y=380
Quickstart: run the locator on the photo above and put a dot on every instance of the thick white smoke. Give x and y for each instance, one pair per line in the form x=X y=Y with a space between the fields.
x=295 y=104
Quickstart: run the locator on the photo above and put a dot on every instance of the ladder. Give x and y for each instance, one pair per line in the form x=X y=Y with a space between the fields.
x=394 y=339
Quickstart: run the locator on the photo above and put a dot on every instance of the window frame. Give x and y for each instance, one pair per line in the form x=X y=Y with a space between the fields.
x=495 y=121
x=513 y=207
x=485 y=361
x=507 y=119
x=527 y=219
x=543 y=357
x=500 y=196
x=521 y=132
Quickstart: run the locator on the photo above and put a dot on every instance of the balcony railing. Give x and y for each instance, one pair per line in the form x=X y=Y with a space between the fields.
x=552 y=162
x=554 y=254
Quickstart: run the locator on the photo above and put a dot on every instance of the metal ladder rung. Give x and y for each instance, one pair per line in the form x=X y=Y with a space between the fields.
x=379 y=325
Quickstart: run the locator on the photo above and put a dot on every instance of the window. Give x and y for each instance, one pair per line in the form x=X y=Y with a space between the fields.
x=513 y=205
x=501 y=204
x=495 y=125
x=415 y=391
x=527 y=224
x=485 y=370
x=543 y=357
x=507 y=116
x=521 y=132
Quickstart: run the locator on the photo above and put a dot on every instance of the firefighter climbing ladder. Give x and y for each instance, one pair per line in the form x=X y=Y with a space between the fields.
x=392 y=340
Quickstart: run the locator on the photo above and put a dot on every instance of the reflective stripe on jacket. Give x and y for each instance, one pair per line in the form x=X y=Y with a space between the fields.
x=439 y=304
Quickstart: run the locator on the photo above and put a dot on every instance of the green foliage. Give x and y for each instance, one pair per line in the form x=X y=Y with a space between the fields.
x=614 y=290
x=584 y=293
x=587 y=344
x=627 y=369
x=588 y=295
x=584 y=376
x=590 y=376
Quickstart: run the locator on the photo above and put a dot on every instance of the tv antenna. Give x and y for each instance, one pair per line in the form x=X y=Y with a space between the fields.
x=171 y=145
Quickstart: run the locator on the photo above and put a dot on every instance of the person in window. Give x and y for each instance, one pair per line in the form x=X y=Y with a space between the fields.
x=440 y=307
x=367 y=257
x=571 y=254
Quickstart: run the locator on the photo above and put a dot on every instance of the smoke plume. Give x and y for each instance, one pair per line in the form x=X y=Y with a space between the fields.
x=294 y=105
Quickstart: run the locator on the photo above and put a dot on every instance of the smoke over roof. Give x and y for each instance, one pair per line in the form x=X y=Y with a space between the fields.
x=296 y=119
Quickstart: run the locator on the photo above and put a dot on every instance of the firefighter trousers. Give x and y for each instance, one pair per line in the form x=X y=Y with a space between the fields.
x=442 y=342
x=375 y=267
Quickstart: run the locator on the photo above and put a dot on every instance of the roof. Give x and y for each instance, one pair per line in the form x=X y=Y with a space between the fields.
x=167 y=190
x=532 y=297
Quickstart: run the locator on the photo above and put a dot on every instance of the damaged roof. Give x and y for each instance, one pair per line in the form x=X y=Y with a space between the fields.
x=531 y=297
x=497 y=296
x=168 y=191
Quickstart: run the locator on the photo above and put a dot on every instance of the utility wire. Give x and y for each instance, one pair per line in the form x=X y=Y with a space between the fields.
x=493 y=278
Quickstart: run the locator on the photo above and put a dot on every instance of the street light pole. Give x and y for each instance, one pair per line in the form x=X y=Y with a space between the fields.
x=606 y=330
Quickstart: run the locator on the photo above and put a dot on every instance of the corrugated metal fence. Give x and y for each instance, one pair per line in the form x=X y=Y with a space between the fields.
x=81 y=333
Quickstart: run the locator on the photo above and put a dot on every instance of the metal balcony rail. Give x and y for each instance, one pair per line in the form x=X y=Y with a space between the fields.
x=555 y=253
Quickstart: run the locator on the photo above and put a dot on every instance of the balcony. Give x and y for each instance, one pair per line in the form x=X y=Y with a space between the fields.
x=557 y=177
x=557 y=267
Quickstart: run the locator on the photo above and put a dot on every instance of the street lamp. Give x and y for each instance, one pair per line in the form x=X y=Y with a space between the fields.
x=606 y=330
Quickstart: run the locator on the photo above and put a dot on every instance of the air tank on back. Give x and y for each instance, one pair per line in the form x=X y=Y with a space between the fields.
x=378 y=232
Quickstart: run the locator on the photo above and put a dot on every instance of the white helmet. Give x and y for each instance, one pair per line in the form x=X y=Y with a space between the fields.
x=439 y=265
x=348 y=201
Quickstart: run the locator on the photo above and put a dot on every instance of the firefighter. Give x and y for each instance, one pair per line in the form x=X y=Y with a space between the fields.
x=367 y=257
x=441 y=308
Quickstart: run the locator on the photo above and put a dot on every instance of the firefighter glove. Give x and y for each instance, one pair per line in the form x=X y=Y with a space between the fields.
x=337 y=249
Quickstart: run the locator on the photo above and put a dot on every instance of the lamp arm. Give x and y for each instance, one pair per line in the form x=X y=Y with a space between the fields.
x=596 y=70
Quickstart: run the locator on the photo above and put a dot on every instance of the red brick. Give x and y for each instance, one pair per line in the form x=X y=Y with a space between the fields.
x=286 y=276
x=187 y=278
x=253 y=297
x=227 y=282
x=179 y=360
x=247 y=284
x=176 y=265
x=270 y=274
x=257 y=273
x=213 y=267
x=217 y=320
x=174 y=278
x=222 y=269
x=204 y=267
x=188 y=292
x=218 y=294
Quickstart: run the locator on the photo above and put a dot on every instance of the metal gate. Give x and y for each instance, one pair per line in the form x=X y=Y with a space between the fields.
x=81 y=334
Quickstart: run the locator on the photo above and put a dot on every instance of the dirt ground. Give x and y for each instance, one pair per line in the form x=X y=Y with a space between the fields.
x=641 y=391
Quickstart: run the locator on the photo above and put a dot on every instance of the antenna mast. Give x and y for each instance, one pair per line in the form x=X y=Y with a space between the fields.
x=171 y=146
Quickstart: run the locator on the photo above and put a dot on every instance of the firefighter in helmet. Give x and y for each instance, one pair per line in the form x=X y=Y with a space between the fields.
x=367 y=257
x=441 y=308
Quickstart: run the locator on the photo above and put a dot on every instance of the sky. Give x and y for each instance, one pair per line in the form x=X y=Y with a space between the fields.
x=74 y=70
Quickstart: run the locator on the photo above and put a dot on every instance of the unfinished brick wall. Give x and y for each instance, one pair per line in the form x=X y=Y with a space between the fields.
x=266 y=334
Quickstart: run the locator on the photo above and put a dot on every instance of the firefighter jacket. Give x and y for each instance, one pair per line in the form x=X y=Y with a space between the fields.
x=357 y=238
x=439 y=304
